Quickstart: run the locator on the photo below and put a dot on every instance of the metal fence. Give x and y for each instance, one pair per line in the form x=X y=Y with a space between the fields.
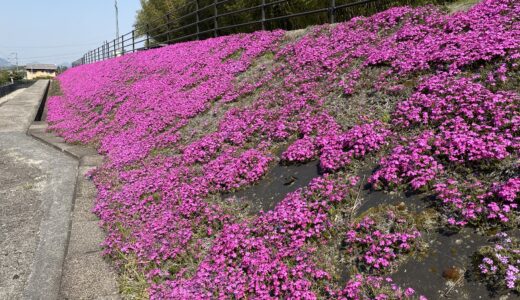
x=11 y=87
x=204 y=21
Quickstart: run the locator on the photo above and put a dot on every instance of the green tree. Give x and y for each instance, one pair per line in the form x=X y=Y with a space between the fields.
x=4 y=77
x=157 y=17
x=167 y=21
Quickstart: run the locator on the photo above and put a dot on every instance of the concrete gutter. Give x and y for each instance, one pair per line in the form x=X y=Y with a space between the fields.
x=17 y=114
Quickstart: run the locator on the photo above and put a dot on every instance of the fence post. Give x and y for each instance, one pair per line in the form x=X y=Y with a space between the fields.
x=215 y=18
x=332 y=11
x=167 y=28
x=133 y=41
x=263 y=14
x=147 y=36
x=123 y=44
x=197 y=19
x=115 y=49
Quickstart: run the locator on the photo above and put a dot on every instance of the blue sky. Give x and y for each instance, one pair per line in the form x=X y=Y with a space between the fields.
x=60 y=31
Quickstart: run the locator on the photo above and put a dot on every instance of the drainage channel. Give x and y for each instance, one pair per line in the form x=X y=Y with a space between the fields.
x=41 y=115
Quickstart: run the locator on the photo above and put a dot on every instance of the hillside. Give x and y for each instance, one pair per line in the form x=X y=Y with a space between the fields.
x=4 y=63
x=313 y=164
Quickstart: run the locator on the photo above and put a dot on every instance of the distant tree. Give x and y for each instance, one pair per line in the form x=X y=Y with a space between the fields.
x=4 y=77
x=62 y=69
x=18 y=75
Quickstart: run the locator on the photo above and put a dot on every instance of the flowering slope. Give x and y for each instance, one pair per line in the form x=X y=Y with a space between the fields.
x=181 y=125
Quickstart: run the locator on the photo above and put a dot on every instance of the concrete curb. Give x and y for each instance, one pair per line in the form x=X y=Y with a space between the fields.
x=85 y=274
x=32 y=133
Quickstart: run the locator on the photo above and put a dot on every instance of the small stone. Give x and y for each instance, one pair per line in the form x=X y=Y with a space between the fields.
x=16 y=276
x=458 y=241
x=452 y=273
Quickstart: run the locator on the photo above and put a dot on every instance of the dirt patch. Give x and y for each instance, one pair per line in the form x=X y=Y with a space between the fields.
x=273 y=188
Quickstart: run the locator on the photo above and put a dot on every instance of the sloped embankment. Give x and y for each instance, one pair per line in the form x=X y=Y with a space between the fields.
x=426 y=101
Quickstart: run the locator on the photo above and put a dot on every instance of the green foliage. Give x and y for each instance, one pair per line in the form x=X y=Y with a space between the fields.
x=5 y=76
x=152 y=18
x=168 y=21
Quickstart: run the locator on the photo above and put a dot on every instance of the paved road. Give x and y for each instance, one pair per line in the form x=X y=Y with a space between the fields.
x=36 y=190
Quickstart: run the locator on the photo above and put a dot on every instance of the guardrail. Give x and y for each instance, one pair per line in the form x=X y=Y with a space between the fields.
x=206 y=23
x=11 y=87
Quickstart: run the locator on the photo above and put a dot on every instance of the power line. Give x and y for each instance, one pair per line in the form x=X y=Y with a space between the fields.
x=49 y=47
x=54 y=55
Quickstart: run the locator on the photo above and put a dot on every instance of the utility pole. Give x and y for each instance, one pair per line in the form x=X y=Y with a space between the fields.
x=117 y=20
x=15 y=55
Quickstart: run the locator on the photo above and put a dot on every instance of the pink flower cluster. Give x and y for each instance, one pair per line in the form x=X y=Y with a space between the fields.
x=179 y=125
x=377 y=244
x=472 y=123
x=469 y=125
x=410 y=164
x=228 y=172
x=267 y=258
x=374 y=287
x=434 y=40
x=336 y=149
x=500 y=264
x=472 y=202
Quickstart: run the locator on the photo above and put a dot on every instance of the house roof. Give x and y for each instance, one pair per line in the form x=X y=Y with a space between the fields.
x=41 y=67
